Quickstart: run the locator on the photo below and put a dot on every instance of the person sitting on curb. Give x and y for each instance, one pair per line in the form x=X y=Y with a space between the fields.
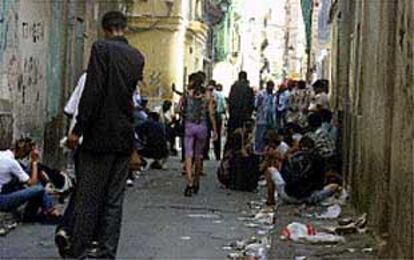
x=18 y=188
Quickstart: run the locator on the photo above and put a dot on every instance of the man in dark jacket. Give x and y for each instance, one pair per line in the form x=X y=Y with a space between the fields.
x=105 y=121
x=241 y=103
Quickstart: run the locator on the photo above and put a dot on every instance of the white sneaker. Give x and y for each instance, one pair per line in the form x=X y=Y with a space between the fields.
x=130 y=183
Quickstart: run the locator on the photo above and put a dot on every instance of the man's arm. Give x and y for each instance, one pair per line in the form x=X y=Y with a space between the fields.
x=17 y=170
x=176 y=91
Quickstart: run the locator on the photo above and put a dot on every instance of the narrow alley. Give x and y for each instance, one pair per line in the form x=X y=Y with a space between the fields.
x=207 y=129
x=159 y=223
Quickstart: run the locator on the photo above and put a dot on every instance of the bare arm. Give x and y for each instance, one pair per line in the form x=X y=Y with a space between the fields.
x=34 y=179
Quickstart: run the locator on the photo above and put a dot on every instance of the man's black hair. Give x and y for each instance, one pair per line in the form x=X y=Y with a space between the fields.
x=326 y=115
x=314 y=120
x=318 y=84
x=154 y=116
x=212 y=83
x=114 y=20
x=302 y=84
x=294 y=127
x=167 y=103
x=242 y=75
x=270 y=83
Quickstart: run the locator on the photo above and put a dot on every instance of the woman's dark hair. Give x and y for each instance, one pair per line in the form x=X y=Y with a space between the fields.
x=272 y=138
x=114 y=20
x=24 y=145
x=196 y=82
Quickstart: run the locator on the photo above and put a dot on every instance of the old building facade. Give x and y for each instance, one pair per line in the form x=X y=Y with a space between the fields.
x=174 y=36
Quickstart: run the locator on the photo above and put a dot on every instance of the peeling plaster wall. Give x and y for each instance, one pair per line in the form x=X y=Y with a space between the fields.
x=44 y=46
x=24 y=63
x=374 y=84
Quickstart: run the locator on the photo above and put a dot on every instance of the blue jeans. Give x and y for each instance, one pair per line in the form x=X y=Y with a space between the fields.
x=36 y=196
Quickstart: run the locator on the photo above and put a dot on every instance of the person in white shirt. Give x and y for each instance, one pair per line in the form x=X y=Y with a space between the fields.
x=71 y=107
x=321 y=99
x=17 y=187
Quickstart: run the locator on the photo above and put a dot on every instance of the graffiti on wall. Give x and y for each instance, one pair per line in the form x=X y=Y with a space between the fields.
x=34 y=31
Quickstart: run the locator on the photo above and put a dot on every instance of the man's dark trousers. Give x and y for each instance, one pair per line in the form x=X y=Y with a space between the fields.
x=98 y=202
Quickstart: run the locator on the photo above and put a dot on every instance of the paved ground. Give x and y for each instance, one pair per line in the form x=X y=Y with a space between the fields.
x=157 y=222
x=160 y=223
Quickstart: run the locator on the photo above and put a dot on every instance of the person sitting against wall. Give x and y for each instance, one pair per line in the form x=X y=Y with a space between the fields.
x=300 y=178
x=17 y=187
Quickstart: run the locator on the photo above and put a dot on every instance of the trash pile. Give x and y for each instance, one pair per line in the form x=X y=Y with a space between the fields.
x=321 y=224
x=325 y=227
x=262 y=220
x=299 y=232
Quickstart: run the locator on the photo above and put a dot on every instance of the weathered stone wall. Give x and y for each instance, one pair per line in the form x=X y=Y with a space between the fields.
x=374 y=86
x=44 y=47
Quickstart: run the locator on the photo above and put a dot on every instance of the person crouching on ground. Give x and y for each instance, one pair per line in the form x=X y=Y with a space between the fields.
x=198 y=107
x=152 y=134
x=17 y=187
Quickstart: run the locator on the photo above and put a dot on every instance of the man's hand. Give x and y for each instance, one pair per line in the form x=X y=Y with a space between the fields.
x=73 y=141
x=215 y=136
